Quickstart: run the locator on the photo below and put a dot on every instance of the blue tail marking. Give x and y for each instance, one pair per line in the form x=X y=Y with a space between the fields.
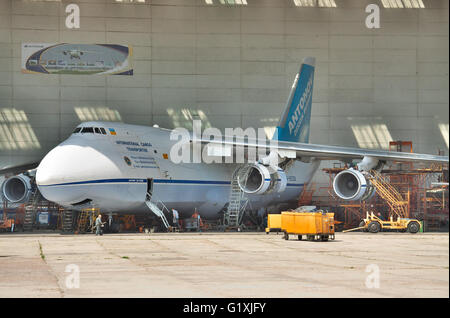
x=295 y=122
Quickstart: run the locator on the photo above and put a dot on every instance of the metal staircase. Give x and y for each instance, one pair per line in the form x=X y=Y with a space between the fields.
x=31 y=209
x=37 y=203
x=67 y=221
x=307 y=194
x=158 y=208
x=388 y=193
x=238 y=201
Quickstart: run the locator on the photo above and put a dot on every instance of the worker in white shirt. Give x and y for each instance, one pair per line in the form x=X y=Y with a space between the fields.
x=99 y=225
x=175 y=217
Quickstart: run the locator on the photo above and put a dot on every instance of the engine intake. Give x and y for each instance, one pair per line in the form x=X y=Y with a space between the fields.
x=16 y=189
x=260 y=179
x=352 y=185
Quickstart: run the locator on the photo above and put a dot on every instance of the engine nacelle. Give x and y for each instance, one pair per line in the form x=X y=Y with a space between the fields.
x=260 y=179
x=16 y=189
x=352 y=185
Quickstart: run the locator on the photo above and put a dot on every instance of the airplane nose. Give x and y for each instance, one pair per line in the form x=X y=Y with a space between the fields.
x=55 y=168
x=67 y=165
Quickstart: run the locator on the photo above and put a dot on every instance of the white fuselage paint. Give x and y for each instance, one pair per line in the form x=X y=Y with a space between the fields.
x=93 y=166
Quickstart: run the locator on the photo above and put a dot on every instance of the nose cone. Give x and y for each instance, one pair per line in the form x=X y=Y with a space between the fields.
x=56 y=169
x=57 y=166
x=68 y=165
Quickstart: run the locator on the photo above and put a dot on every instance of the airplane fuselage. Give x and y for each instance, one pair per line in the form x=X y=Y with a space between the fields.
x=114 y=172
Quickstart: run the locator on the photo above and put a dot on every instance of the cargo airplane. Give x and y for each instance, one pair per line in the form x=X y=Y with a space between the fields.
x=119 y=168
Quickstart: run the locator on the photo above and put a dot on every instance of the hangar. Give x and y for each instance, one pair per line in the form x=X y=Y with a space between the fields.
x=381 y=71
x=348 y=100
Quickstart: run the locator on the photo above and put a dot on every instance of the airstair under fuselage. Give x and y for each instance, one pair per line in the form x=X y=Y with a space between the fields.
x=158 y=209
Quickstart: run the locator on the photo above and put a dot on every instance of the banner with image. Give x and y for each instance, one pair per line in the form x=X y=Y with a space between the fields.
x=87 y=59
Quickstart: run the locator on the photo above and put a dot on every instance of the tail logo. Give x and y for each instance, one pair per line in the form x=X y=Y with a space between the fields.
x=294 y=124
x=299 y=113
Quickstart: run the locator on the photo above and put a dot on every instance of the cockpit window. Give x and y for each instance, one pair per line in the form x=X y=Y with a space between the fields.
x=88 y=130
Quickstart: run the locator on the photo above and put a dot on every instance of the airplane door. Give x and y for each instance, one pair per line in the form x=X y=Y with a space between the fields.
x=149 y=187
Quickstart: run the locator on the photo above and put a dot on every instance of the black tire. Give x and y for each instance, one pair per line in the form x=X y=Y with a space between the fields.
x=362 y=224
x=286 y=236
x=299 y=237
x=413 y=227
x=374 y=227
x=324 y=238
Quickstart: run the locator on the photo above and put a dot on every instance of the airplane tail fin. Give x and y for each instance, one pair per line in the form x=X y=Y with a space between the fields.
x=295 y=121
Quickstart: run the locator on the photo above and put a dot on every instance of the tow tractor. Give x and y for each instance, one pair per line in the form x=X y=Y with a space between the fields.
x=374 y=224
x=398 y=205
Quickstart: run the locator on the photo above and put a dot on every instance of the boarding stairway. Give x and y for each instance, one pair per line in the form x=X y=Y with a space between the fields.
x=158 y=208
x=398 y=205
x=31 y=209
x=238 y=201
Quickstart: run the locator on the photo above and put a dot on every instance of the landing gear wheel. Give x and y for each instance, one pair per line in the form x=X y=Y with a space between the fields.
x=413 y=227
x=374 y=227
x=286 y=236
x=299 y=237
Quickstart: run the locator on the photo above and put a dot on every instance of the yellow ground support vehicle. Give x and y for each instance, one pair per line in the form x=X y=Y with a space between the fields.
x=315 y=225
x=374 y=224
x=273 y=223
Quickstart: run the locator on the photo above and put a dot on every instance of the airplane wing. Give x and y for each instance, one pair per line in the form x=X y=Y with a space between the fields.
x=298 y=150
x=13 y=170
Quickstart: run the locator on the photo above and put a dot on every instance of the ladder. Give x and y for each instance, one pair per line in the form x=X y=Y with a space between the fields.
x=67 y=221
x=37 y=203
x=82 y=222
x=307 y=194
x=86 y=219
x=30 y=210
x=158 y=209
x=238 y=201
x=389 y=194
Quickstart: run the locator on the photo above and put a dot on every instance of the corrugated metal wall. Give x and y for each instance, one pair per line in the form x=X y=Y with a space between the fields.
x=231 y=65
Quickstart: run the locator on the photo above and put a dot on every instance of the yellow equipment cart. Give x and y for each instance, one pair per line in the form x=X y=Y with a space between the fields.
x=315 y=225
x=273 y=223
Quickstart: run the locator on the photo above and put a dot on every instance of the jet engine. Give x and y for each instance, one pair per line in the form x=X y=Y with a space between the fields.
x=16 y=189
x=260 y=179
x=352 y=185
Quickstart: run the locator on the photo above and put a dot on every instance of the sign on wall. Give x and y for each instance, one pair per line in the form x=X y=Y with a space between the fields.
x=65 y=58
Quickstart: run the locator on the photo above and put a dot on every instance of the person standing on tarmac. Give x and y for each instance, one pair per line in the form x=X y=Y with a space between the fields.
x=99 y=225
x=196 y=216
x=175 y=218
